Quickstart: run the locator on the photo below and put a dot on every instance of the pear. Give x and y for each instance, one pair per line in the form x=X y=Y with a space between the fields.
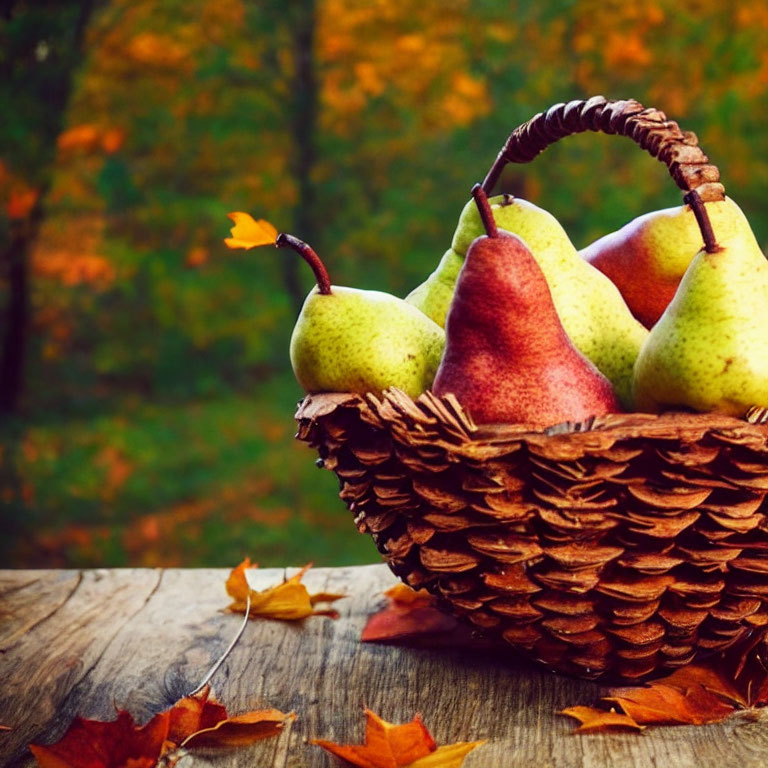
x=507 y=357
x=591 y=309
x=709 y=349
x=646 y=258
x=352 y=340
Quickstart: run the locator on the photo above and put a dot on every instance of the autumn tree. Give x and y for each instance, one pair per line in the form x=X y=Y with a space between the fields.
x=40 y=49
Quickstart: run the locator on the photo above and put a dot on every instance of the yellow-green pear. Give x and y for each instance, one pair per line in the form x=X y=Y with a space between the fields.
x=646 y=258
x=351 y=340
x=709 y=350
x=590 y=307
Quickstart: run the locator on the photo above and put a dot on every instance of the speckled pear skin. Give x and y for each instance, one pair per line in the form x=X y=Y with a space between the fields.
x=590 y=307
x=507 y=357
x=647 y=257
x=709 y=350
x=364 y=341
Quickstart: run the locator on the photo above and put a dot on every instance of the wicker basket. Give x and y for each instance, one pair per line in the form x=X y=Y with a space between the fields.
x=615 y=549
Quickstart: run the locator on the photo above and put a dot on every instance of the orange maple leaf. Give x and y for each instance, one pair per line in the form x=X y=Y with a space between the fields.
x=249 y=233
x=94 y=744
x=194 y=721
x=289 y=601
x=395 y=746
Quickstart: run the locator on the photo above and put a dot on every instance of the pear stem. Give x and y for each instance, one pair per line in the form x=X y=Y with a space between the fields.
x=314 y=261
x=484 y=208
x=702 y=219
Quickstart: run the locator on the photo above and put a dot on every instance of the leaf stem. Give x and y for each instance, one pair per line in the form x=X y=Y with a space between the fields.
x=214 y=668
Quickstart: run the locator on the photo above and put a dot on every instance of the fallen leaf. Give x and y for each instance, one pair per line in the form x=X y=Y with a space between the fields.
x=394 y=746
x=117 y=743
x=289 y=601
x=449 y=756
x=411 y=616
x=593 y=719
x=661 y=704
x=249 y=233
x=715 y=680
x=240 y=730
x=194 y=721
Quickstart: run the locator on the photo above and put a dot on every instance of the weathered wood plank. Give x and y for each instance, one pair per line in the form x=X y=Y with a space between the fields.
x=139 y=640
x=29 y=597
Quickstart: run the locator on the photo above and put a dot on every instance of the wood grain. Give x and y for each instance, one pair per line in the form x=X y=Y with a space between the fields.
x=73 y=643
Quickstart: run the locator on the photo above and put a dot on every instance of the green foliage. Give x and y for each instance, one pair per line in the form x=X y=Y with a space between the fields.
x=153 y=341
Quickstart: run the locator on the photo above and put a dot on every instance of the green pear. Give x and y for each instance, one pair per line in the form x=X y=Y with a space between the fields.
x=646 y=258
x=709 y=350
x=351 y=340
x=590 y=307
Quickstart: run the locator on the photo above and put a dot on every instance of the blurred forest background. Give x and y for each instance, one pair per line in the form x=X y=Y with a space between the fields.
x=146 y=395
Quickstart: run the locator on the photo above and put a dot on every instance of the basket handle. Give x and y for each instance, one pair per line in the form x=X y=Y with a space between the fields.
x=660 y=137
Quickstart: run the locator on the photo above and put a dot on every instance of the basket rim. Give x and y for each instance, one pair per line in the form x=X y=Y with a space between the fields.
x=669 y=424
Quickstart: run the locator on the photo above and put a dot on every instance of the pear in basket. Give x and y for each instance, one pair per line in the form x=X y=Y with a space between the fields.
x=646 y=258
x=507 y=357
x=709 y=350
x=347 y=339
x=590 y=307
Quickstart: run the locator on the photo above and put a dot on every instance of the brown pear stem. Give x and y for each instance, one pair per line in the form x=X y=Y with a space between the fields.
x=702 y=219
x=314 y=261
x=484 y=208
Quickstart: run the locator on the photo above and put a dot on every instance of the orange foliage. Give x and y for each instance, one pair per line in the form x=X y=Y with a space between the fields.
x=67 y=251
x=157 y=50
x=117 y=469
x=396 y=746
x=413 y=54
x=693 y=695
x=194 y=721
x=289 y=601
x=17 y=196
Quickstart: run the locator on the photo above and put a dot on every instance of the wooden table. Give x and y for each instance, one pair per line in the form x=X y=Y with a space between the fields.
x=87 y=642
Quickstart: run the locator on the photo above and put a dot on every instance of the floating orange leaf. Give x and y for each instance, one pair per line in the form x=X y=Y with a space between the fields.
x=249 y=233
x=289 y=601
x=394 y=746
x=194 y=721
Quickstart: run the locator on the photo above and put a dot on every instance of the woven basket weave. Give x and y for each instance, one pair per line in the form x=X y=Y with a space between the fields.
x=614 y=549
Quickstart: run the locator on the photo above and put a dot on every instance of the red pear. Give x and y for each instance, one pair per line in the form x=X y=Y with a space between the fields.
x=507 y=357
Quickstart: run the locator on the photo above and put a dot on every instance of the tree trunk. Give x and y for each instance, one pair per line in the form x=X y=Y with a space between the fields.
x=304 y=127
x=15 y=255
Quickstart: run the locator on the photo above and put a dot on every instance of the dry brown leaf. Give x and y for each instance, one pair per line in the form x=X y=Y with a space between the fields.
x=289 y=601
x=661 y=704
x=395 y=746
x=593 y=719
x=249 y=233
x=240 y=730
